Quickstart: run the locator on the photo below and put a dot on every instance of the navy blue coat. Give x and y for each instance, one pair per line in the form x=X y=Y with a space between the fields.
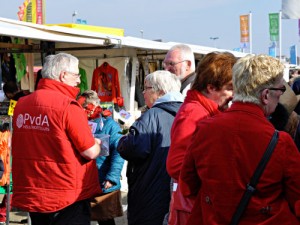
x=146 y=148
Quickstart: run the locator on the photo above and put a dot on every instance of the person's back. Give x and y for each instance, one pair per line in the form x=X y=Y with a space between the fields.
x=53 y=148
x=236 y=153
x=40 y=128
x=146 y=148
x=148 y=180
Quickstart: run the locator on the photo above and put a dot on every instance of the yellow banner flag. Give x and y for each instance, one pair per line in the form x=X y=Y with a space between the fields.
x=32 y=11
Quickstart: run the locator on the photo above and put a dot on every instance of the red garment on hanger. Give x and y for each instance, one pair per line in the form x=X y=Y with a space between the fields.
x=106 y=83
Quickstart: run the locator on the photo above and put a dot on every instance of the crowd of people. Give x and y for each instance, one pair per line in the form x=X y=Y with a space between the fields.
x=191 y=154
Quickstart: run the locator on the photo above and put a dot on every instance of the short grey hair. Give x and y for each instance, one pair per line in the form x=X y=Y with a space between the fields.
x=186 y=53
x=163 y=80
x=90 y=97
x=55 y=64
x=252 y=74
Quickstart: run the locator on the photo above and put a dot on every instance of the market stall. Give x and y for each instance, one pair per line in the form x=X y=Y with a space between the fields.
x=131 y=58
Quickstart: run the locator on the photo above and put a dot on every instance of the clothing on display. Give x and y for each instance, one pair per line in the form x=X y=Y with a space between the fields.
x=20 y=62
x=105 y=82
x=83 y=80
x=4 y=158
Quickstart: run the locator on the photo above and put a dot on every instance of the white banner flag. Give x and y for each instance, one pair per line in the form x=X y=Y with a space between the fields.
x=290 y=9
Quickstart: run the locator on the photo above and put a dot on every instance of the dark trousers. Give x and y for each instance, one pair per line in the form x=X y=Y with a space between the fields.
x=76 y=214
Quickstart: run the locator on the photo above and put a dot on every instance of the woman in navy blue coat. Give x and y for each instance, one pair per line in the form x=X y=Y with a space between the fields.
x=146 y=148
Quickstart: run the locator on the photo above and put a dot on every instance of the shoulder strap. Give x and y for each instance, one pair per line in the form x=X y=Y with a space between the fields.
x=251 y=187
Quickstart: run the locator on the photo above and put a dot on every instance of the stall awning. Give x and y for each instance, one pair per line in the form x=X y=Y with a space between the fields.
x=32 y=31
x=14 y=28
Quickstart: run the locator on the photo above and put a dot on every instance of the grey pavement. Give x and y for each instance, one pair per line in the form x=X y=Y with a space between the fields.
x=16 y=216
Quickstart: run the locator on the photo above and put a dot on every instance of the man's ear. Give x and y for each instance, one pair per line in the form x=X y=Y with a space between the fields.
x=189 y=63
x=62 y=76
x=265 y=94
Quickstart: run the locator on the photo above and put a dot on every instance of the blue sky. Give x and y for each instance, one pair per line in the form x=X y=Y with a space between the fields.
x=189 y=21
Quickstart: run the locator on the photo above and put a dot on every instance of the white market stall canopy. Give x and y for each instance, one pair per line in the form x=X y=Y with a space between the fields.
x=84 y=39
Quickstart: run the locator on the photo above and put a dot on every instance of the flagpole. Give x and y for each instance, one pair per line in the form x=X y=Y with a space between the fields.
x=250 y=33
x=280 y=35
x=299 y=29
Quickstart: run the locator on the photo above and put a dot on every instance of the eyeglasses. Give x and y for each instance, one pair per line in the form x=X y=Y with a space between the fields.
x=77 y=75
x=146 y=88
x=282 y=89
x=172 y=64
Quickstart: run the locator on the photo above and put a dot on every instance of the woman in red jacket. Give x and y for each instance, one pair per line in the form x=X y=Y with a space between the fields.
x=227 y=148
x=210 y=93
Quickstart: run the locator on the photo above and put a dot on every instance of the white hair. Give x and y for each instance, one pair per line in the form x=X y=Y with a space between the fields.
x=186 y=53
x=55 y=64
x=163 y=80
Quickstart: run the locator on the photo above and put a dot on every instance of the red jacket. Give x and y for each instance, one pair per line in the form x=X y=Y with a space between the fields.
x=50 y=131
x=221 y=160
x=106 y=83
x=195 y=108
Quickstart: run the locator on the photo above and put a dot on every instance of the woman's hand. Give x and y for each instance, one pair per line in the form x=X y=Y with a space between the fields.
x=107 y=184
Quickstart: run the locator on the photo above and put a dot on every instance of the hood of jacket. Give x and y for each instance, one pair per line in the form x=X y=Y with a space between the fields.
x=170 y=102
x=173 y=96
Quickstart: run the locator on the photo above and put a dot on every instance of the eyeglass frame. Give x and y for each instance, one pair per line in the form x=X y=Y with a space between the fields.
x=77 y=75
x=172 y=64
x=147 y=87
x=282 y=89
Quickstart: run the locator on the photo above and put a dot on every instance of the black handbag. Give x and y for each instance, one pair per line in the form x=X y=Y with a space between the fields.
x=251 y=186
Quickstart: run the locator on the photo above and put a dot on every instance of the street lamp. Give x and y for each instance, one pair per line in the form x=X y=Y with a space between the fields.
x=214 y=40
x=142 y=33
x=74 y=16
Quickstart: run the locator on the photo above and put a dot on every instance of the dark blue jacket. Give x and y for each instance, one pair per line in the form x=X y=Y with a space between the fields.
x=110 y=167
x=146 y=148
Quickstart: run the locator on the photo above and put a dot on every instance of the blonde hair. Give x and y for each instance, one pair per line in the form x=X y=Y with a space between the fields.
x=252 y=74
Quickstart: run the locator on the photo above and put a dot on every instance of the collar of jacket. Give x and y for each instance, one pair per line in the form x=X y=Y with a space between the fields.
x=247 y=107
x=211 y=106
x=187 y=80
x=50 y=84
